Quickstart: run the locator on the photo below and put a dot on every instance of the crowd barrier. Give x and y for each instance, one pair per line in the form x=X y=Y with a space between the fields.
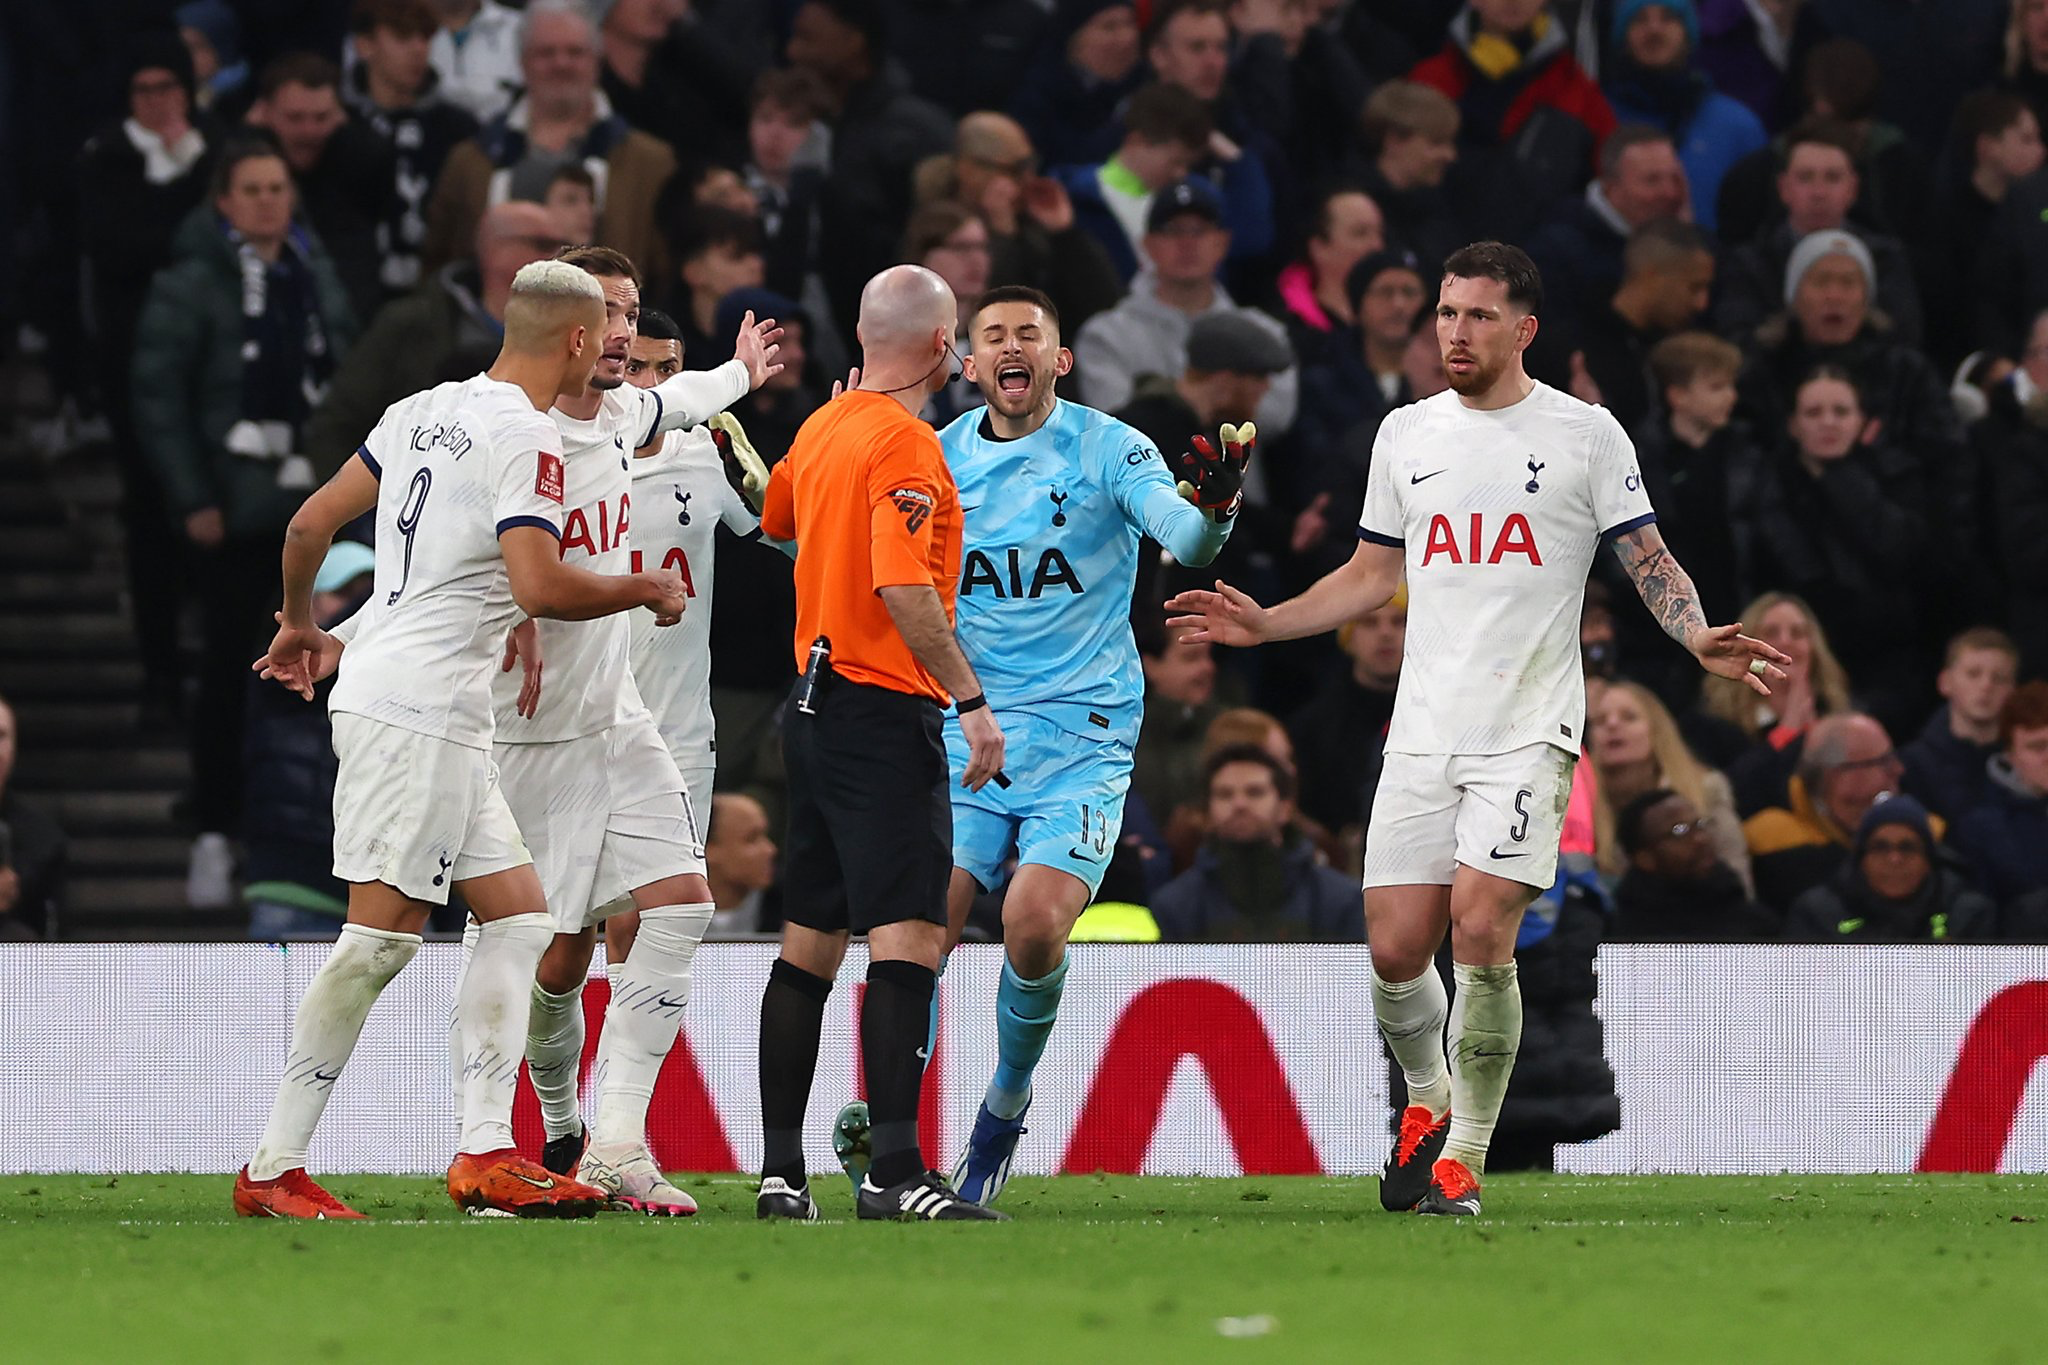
x=1170 y=1060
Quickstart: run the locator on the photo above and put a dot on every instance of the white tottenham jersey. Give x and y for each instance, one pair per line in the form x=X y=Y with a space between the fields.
x=1500 y=514
x=682 y=496
x=587 y=683
x=457 y=465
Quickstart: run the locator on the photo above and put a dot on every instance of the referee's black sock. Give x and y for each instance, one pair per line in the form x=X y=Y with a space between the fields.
x=792 y=1017
x=894 y=1022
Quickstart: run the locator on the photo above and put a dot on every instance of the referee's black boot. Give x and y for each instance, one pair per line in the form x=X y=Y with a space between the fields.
x=780 y=1199
x=923 y=1198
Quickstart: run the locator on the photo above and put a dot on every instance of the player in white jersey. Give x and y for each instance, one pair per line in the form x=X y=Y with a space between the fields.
x=468 y=483
x=1492 y=498
x=593 y=787
x=683 y=493
x=592 y=770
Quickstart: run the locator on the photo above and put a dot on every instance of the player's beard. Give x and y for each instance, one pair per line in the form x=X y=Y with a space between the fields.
x=1480 y=378
x=600 y=382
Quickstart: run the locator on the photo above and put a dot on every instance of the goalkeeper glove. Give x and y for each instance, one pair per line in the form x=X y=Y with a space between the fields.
x=1213 y=482
x=744 y=468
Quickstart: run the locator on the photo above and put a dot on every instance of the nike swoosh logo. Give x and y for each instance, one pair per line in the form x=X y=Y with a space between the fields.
x=1418 y=478
x=1496 y=853
x=547 y=1184
x=324 y=1076
x=975 y=508
x=1080 y=855
x=664 y=1003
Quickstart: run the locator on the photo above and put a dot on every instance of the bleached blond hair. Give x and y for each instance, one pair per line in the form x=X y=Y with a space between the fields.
x=555 y=280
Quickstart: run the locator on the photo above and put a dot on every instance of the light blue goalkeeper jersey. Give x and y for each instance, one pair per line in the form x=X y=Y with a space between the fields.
x=1054 y=522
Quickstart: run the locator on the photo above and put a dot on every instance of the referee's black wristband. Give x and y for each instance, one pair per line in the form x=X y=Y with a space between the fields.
x=974 y=703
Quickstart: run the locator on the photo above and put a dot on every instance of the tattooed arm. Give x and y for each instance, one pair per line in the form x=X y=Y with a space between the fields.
x=1667 y=590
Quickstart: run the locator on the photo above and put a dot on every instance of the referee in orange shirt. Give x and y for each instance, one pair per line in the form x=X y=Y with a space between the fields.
x=865 y=494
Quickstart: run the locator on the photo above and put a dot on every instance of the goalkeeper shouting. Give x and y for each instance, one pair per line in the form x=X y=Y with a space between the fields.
x=1056 y=499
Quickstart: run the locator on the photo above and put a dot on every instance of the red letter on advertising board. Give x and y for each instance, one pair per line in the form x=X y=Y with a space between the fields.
x=1975 y=1117
x=683 y=1127
x=1219 y=1028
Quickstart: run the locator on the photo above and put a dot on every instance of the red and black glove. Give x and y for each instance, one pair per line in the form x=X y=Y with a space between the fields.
x=1215 y=482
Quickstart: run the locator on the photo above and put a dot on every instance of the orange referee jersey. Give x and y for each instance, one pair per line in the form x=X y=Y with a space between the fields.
x=866 y=495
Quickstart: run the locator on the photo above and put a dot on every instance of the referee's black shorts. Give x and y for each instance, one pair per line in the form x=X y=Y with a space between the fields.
x=870 y=818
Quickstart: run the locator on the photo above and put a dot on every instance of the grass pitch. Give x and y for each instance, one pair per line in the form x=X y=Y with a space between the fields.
x=156 y=1268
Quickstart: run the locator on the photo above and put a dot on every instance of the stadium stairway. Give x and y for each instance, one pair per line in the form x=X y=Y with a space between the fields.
x=109 y=772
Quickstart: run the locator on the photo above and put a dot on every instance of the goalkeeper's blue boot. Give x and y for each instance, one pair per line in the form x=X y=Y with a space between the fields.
x=852 y=1142
x=985 y=1166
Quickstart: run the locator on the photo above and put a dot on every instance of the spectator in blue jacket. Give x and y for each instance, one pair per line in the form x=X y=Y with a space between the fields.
x=1165 y=131
x=1654 y=82
x=1947 y=767
x=1253 y=882
x=288 y=753
x=2006 y=838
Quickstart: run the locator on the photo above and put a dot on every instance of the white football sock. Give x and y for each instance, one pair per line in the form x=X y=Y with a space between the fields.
x=554 y=1054
x=1486 y=1032
x=324 y=1033
x=1411 y=1017
x=645 y=1014
x=470 y=929
x=492 y=1006
x=614 y=971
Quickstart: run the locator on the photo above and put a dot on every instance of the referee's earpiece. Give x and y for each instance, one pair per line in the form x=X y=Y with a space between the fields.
x=959 y=369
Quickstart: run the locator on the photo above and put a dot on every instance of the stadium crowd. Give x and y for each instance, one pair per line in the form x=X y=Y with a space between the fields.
x=1798 y=247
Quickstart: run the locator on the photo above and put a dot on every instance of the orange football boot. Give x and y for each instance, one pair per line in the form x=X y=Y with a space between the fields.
x=1453 y=1190
x=506 y=1182
x=291 y=1195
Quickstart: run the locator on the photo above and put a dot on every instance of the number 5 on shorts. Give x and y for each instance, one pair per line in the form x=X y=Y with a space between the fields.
x=1521 y=829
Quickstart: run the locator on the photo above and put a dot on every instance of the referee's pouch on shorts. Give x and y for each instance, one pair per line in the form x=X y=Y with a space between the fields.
x=817 y=678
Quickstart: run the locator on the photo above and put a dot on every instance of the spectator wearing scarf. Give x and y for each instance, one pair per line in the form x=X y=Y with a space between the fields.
x=236 y=343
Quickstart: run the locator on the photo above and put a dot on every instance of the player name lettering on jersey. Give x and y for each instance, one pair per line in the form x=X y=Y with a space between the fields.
x=1509 y=536
x=1053 y=571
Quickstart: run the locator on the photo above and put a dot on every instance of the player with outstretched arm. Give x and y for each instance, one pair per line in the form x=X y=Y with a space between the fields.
x=1492 y=498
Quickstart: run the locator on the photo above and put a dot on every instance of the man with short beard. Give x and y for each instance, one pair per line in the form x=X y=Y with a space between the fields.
x=1058 y=499
x=1491 y=501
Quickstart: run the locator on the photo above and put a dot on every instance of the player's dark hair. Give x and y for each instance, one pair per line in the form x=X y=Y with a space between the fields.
x=602 y=262
x=241 y=147
x=1628 y=822
x=1621 y=139
x=1020 y=293
x=309 y=69
x=1503 y=264
x=707 y=227
x=656 y=325
x=1166 y=113
x=407 y=18
x=1283 y=779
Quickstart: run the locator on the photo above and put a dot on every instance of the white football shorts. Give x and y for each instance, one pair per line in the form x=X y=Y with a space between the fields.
x=1500 y=813
x=417 y=813
x=604 y=815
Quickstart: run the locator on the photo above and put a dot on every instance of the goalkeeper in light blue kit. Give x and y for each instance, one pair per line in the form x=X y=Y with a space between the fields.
x=1056 y=499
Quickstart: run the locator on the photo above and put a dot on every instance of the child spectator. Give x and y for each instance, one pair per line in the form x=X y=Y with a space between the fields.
x=1946 y=766
x=2006 y=837
x=572 y=197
